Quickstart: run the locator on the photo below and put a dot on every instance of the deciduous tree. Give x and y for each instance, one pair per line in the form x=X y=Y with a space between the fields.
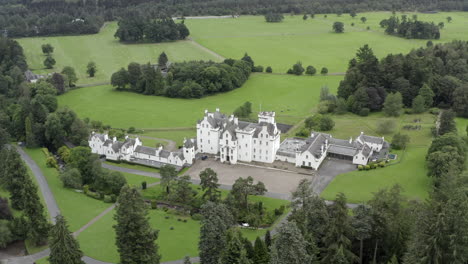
x=209 y=184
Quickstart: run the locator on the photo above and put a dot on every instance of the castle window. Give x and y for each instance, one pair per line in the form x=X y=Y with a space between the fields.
x=245 y=145
x=307 y=156
x=255 y=141
x=208 y=133
x=208 y=141
x=201 y=140
x=242 y=136
x=267 y=143
x=254 y=150
x=310 y=164
x=226 y=141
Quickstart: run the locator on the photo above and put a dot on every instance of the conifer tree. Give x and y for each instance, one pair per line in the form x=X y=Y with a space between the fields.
x=261 y=255
x=187 y=260
x=135 y=239
x=34 y=210
x=268 y=240
x=63 y=246
x=234 y=252
x=15 y=177
x=289 y=246
x=339 y=235
x=428 y=95
x=162 y=60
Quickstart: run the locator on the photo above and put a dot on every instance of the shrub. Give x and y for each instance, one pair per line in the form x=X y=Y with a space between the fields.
x=197 y=217
x=154 y=204
x=326 y=123
x=303 y=133
x=185 y=221
x=269 y=69
x=296 y=69
x=360 y=167
x=324 y=71
x=113 y=198
x=131 y=130
x=257 y=68
x=64 y=153
x=367 y=167
x=434 y=111
x=143 y=185
x=311 y=70
x=172 y=228
x=51 y=162
x=364 y=112
x=373 y=166
x=382 y=164
x=166 y=217
x=399 y=141
x=107 y=199
x=86 y=189
x=71 y=178
x=94 y=195
x=386 y=126
x=178 y=219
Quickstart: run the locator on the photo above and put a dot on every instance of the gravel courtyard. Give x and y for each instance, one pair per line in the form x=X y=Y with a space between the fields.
x=278 y=183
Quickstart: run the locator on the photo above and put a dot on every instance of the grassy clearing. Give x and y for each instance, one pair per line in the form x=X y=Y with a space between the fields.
x=410 y=172
x=176 y=135
x=98 y=240
x=108 y=53
x=291 y=97
x=133 y=166
x=312 y=41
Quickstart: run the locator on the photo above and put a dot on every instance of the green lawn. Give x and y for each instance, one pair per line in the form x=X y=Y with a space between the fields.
x=78 y=208
x=136 y=180
x=312 y=42
x=108 y=53
x=291 y=97
x=410 y=173
x=133 y=166
x=462 y=124
x=98 y=240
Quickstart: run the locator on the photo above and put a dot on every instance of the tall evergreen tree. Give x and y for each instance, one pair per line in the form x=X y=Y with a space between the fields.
x=213 y=231
x=338 y=238
x=362 y=222
x=209 y=184
x=289 y=246
x=63 y=246
x=428 y=95
x=234 y=252
x=268 y=240
x=418 y=105
x=162 y=60
x=187 y=260
x=15 y=177
x=261 y=255
x=135 y=239
x=34 y=210
x=30 y=141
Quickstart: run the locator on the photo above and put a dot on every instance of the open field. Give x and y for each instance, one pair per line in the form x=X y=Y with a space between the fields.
x=410 y=172
x=108 y=53
x=98 y=240
x=292 y=97
x=312 y=42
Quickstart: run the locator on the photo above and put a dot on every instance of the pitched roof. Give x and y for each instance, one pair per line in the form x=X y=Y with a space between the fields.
x=145 y=150
x=315 y=143
x=371 y=139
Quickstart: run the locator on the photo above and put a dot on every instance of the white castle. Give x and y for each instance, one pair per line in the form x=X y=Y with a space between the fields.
x=234 y=141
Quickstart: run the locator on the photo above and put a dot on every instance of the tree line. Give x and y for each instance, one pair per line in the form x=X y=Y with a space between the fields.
x=193 y=79
x=426 y=77
x=136 y=28
x=410 y=28
x=23 y=18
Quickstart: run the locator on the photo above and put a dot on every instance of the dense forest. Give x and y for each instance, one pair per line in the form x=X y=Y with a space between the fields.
x=193 y=79
x=135 y=28
x=411 y=28
x=438 y=73
x=21 y=18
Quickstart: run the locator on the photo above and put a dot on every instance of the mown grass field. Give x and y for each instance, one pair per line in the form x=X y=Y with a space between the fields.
x=410 y=173
x=106 y=51
x=98 y=240
x=312 y=41
x=293 y=98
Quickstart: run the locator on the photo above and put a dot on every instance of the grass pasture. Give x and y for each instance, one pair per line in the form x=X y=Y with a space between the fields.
x=108 y=53
x=292 y=97
x=312 y=41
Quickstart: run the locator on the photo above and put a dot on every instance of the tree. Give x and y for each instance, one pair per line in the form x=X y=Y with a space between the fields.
x=302 y=194
x=183 y=192
x=110 y=182
x=418 y=105
x=187 y=260
x=363 y=19
x=162 y=60
x=49 y=62
x=338 y=27
x=168 y=175
x=296 y=69
x=399 y=141
x=268 y=240
x=289 y=247
x=326 y=123
x=248 y=59
x=30 y=139
x=6 y=235
x=338 y=238
x=304 y=17
x=71 y=178
x=135 y=239
x=120 y=79
x=47 y=49
x=59 y=82
x=54 y=131
x=352 y=13
x=444 y=161
x=14 y=176
x=324 y=71
x=213 y=231
x=34 y=211
x=460 y=97
x=386 y=126
x=393 y=104
x=362 y=223
x=447 y=122
x=261 y=255
x=428 y=95
x=311 y=70
x=63 y=246
x=242 y=188
x=71 y=75
x=441 y=25
x=449 y=19
x=269 y=69
x=209 y=184
x=91 y=69
x=274 y=17
x=234 y=252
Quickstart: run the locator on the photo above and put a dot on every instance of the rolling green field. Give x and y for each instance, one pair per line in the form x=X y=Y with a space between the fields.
x=312 y=42
x=108 y=53
x=293 y=98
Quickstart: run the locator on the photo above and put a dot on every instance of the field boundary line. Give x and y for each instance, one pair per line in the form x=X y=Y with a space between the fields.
x=217 y=55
